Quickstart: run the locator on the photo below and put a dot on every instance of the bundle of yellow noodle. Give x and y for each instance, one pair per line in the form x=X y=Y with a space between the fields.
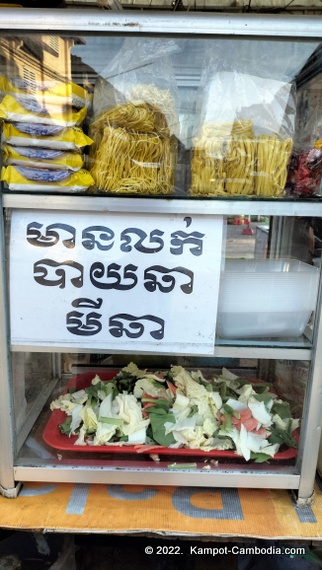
x=228 y=160
x=133 y=150
x=272 y=159
x=222 y=159
x=160 y=98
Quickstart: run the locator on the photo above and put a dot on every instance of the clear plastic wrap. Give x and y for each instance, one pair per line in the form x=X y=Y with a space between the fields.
x=135 y=122
x=305 y=169
x=244 y=132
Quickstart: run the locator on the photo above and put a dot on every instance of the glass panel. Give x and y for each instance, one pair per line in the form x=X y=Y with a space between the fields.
x=267 y=272
x=225 y=410
x=39 y=378
x=270 y=277
x=33 y=378
x=149 y=116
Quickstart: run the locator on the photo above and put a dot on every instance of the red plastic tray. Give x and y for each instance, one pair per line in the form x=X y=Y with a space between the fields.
x=53 y=436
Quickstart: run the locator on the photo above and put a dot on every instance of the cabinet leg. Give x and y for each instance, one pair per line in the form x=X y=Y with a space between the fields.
x=302 y=501
x=11 y=493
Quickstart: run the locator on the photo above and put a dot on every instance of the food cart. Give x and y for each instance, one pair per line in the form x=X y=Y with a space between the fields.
x=128 y=142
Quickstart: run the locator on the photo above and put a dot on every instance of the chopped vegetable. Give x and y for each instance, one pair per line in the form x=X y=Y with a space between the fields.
x=179 y=409
x=175 y=466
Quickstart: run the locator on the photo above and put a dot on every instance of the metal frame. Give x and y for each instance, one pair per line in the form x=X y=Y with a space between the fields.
x=299 y=478
x=138 y=22
x=174 y=206
x=6 y=402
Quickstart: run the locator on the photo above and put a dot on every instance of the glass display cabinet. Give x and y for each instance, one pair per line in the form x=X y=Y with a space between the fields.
x=161 y=249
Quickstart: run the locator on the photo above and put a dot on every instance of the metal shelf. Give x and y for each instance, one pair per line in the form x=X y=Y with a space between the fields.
x=214 y=206
x=235 y=349
x=118 y=472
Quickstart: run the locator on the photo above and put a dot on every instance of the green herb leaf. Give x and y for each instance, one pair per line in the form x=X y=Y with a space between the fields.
x=112 y=421
x=158 y=417
x=179 y=466
x=159 y=403
x=281 y=436
x=259 y=457
x=65 y=426
x=227 y=423
x=282 y=409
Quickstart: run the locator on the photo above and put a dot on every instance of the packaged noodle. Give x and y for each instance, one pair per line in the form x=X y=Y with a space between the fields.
x=223 y=159
x=135 y=121
x=243 y=137
x=42 y=158
x=47 y=92
x=45 y=180
x=229 y=160
x=45 y=136
x=132 y=150
x=24 y=109
x=273 y=156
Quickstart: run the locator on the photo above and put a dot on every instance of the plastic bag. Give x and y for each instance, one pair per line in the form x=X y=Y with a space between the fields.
x=305 y=169
x=46 y=180
x=135 y=122
x=45 y=136
x=25 y=109
x=244 y=135
x=139 y=65
x=49 y=92
x=41 y=158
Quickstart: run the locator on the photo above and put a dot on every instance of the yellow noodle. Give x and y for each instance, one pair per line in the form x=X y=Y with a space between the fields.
x=141 y=118
x=132 y=150
x=158 y=98
x=272 y=159
x=227 y=160
x=223 y=161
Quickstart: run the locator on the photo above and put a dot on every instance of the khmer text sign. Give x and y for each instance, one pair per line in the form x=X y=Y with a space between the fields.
x=114 y=281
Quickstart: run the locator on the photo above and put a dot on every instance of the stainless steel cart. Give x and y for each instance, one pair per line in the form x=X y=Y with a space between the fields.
x=89 y=39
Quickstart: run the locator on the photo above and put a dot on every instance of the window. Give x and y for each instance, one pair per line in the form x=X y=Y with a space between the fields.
x=29 y=80
x=53 y=42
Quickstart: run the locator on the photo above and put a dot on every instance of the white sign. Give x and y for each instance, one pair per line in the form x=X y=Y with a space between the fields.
x=114 y=281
